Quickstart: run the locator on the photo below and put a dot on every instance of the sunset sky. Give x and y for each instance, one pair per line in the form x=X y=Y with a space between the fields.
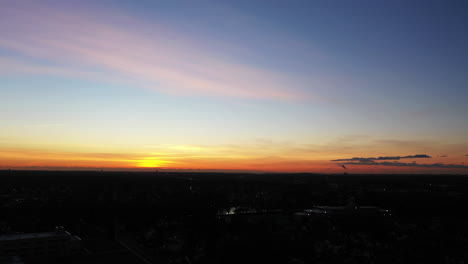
x=284 y=86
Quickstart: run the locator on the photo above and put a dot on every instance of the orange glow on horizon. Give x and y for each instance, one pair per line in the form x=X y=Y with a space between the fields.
x=203 y=158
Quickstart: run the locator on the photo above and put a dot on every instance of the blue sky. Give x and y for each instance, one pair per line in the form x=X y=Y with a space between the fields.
x=116 y=76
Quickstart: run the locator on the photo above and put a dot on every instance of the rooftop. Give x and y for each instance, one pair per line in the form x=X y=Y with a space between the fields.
x=58 y=233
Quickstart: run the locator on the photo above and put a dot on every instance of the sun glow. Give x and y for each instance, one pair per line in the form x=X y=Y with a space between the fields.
x=152 y=163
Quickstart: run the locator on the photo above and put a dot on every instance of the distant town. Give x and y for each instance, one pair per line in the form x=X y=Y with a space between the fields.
x=182 y=217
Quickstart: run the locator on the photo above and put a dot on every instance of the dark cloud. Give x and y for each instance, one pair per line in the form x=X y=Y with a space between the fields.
x=413 y=164
x=385 y=161
x=418 y=156
x=357 y=159
x=370 y=160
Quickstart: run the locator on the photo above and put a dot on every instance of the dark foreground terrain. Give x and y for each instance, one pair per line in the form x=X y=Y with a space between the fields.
x=169 y=217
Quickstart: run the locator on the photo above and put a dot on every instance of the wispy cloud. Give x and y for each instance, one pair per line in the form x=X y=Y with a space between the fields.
x=371 y=160
x=49 y=125
x=37 y=125
x=53 y=40
x=403 y=164
x=383 y=161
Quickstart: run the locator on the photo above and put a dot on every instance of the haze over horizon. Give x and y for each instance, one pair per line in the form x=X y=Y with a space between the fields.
x=278 y=86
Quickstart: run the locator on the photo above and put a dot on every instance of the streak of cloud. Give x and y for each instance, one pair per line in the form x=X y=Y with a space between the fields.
x=370 y=160
x=49 y=125
x=37 y=125
x=403 y=164
x=53 y=40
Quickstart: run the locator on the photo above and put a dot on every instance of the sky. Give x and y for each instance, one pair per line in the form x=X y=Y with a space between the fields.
x=272 y=86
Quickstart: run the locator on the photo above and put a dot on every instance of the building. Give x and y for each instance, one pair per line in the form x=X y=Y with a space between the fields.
x=58 y=243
